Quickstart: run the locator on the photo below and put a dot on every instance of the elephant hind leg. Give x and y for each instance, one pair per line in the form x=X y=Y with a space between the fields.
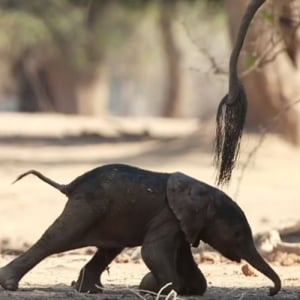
x=66 y=233
x=89 y=276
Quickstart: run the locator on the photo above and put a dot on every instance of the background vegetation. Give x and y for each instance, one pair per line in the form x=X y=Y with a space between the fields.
x=135 y=57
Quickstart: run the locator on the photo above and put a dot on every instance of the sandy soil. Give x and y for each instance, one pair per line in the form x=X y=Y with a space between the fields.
x=64 y=147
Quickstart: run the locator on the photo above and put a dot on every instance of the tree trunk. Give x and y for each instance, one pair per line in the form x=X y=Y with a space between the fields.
x=172 y=59
x=270 y=65
x=47 y=86
x=63 y=83
x=32 y=85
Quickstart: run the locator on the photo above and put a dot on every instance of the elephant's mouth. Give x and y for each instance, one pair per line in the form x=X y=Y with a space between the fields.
x=228 y=253
x=232 y=256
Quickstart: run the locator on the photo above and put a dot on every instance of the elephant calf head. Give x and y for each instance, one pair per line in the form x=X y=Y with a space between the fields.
x=206 y=213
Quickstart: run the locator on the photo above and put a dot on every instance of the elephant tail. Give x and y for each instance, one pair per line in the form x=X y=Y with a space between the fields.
x=61 y=187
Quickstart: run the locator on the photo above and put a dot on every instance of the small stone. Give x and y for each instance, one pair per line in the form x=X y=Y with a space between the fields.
x=287 y=261
x=122 y=258
x=208 y=258
x=248 y=271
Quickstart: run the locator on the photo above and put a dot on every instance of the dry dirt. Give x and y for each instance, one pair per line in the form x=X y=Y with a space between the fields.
x=64 y=147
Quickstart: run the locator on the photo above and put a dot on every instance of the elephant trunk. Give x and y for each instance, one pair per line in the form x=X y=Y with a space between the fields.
x=255 y=260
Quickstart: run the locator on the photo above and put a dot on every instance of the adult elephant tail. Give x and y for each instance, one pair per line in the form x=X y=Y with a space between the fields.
x=232 y=109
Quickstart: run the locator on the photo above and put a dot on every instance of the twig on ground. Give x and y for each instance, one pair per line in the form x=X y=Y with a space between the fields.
x=81 y=280
x=242 y=296
x=162 y=289
x=171 y=296
x=271 y=241
x=136 y=292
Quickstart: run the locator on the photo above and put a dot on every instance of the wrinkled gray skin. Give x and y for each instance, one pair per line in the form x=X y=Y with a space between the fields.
x=118 y=206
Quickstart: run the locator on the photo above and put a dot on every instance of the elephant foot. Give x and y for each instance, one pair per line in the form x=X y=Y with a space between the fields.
x=194 y=286
x=87 y=283
x=8 y=280
x=86 y=286
x=193 y=290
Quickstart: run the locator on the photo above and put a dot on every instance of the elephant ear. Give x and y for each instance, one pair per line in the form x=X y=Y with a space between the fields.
x=192 y=203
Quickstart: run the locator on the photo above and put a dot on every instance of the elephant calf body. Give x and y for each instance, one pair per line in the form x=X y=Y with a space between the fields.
x=118 y=206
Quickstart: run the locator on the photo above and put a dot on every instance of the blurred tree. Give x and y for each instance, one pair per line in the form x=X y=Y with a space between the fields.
x=270 y=63
x=59 y=49
x=171 y=100
x=56 y=46
x=167 y=15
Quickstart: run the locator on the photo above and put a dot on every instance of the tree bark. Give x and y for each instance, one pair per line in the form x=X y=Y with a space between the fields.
x=272 y=80
x=63 y=83
x=32 y=85
x=53 y=86
x=171 y=58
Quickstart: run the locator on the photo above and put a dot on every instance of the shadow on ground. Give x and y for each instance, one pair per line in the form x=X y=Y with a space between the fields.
x=124 y=293
x=162 y=148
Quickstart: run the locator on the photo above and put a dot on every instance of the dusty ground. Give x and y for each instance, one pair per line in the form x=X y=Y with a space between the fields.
x=64 y=147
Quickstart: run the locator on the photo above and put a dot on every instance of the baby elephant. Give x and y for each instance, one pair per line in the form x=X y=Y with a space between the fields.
x=117 y=206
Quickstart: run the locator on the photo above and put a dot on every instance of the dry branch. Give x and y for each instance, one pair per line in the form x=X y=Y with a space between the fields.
x=273 y=240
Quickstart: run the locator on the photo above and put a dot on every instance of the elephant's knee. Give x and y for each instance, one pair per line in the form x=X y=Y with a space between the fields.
x=199 y=287
x=149 y=283
x=196 y=285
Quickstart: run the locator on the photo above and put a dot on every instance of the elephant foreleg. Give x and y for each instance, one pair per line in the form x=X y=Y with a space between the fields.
x=160 y=258
x=190 y=280
x=89 y=276
x=191 y=277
